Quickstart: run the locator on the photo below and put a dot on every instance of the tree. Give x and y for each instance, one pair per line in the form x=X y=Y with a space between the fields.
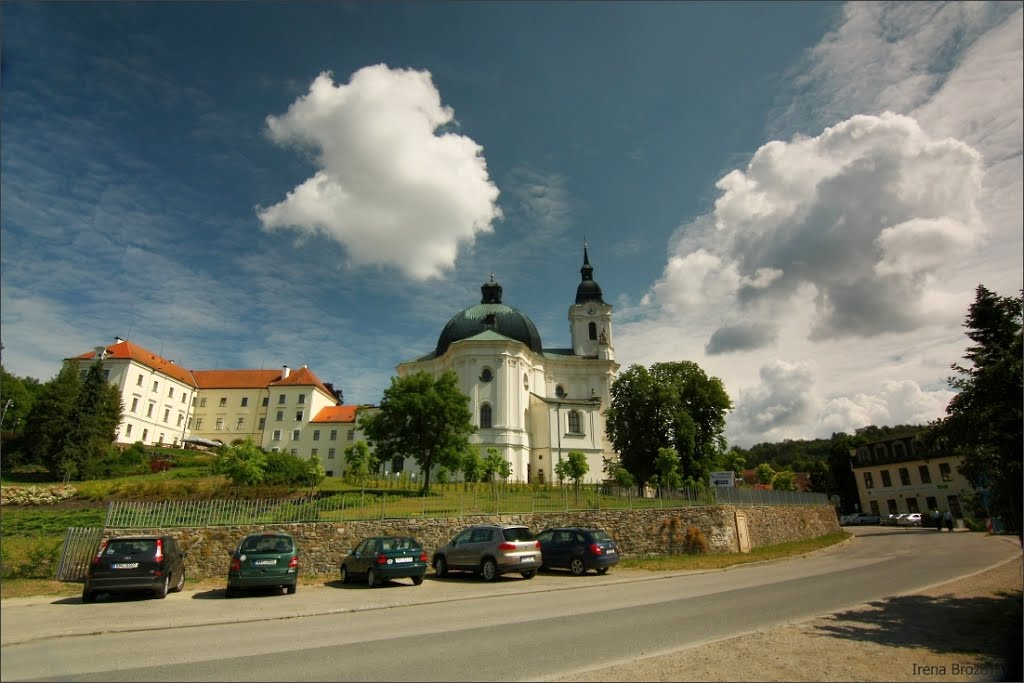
x=574 y=467
x=424 y=418
x=360 y=461
x=667 y=464
x=784 y=481
x=672 y=405
x=92 y=424
x=314 y=472
x=984 y=420
x=47 y=421
x=243 y=464
x=617 y=473
x=764 y=473
x=495 y=465
x=472 y=465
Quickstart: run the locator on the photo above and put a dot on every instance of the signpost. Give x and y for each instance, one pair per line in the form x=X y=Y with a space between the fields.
x=723 y=479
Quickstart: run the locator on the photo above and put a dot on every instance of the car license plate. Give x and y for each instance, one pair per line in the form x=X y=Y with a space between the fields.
x=609 y=551
x=526 y=558
x=264 y=563
x=403 y=559
x=125 y=565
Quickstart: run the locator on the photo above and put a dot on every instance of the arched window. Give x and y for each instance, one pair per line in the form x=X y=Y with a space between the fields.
x=397 y=464
x=592 y=330
x=560 y=391
x=486 y=375
x=485 y=416
x=574 y=422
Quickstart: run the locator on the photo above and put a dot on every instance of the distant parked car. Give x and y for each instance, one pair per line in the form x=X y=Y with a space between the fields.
x=127 y=564
x=892 y=520
x=861 y=518
x=490 y=550
x=383 y=558
x=578 y=549
x=910 y=519
x=264 y=560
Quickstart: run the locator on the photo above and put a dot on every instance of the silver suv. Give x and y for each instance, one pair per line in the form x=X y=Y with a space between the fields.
x=490 y=550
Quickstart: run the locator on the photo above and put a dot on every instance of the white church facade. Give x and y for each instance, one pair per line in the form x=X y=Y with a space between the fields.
x=533 y=404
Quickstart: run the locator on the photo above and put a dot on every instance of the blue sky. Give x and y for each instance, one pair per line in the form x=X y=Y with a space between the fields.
x=800 y=197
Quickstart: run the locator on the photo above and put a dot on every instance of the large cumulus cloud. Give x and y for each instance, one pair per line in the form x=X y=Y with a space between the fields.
x=394 y=185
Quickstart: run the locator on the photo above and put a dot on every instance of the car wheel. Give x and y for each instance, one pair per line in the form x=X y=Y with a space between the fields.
x=602 y=570
x=371 y=578
x=344 y=574
x=290 y=588
x=529 y=574
x=577 y=567
x=489 y=569
x=440 y=567
x=88 y=596
x=417 y=580
x=161 y=592
x=181 y=583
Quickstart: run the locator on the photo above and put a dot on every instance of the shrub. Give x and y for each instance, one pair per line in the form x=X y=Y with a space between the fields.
x=694 y=541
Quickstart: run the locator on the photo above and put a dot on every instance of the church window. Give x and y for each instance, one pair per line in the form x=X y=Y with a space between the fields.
x=592 y=330
x=486 y=375
x=526 y=381
x=397 y=464
x=560 y=391
x=485 y=416
x=574 y=422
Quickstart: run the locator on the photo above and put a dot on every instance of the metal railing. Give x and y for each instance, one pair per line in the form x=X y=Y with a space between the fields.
x=456 y=501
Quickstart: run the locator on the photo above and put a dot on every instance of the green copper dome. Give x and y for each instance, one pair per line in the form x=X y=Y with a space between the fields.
x=490 y=315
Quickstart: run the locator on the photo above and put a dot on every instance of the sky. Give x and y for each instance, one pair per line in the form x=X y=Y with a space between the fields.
x=800 y=197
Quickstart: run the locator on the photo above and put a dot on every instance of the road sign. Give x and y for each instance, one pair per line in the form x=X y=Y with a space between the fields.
x=723 y=478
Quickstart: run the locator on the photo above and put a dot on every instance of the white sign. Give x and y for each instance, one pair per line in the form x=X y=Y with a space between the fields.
x=723 y=478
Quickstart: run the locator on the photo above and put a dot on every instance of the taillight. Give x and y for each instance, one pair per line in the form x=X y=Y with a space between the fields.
x=423 y=556
x=236 y=564
x=595 y=548
x=99 y=553
x=159 y=550
x=536 y=545
x=506 y=546
x=293 y=563
x=381 y=559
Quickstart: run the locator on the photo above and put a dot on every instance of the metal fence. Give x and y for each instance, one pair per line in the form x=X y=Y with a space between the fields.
x=80 y=544
x=454 y=501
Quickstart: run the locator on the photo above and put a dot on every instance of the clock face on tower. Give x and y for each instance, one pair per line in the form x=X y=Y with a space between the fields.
x=590 y=310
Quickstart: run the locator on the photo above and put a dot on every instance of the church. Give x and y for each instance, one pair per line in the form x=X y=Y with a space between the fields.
x=533 y=404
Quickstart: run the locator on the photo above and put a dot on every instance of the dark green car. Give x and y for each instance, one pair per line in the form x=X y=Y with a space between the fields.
x=267 y=560
x=383 y=558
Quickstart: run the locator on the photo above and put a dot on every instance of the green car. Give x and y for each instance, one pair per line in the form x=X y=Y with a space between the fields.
x=383 y=558
x=267 y=560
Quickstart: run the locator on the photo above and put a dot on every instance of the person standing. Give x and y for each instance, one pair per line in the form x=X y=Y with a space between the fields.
x=948 y=519
x=936 y=519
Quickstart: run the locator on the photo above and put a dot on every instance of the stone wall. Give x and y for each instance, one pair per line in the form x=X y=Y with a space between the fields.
x=322 y=545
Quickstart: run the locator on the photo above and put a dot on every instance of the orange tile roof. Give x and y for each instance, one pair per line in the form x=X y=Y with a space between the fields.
x=235 y=379
x=300 y=378
x=336 y=414
x=126 y=350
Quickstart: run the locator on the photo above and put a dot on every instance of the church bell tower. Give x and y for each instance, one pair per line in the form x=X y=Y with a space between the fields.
x=590 y=318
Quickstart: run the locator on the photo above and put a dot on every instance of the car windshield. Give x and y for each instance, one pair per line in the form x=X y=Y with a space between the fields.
x=517 y=533
x=399 y=544
x=123 y=546
x=267 y=544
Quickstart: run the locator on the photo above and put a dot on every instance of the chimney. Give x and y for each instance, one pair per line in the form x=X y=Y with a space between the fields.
x=101 y=352
x=305 y=367
x=284 y=373
x=118 y=340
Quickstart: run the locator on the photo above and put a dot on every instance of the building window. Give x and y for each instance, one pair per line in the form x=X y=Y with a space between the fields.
x=202 y=402
x=334 y=435
x=275 y=449
x=145 y=435
x=156 y=385
x=161 y=439
x=280 y=399
x=892 y=506
x=263 y=423
x=485 y=416
x=128 y=429
x=869 y=481
x=277 y=435
x=266 y=401
x=945 y=472
x=912 y=504
x=149 y=410
x=874 y=508
x=106 y=375
x=315 y=451
x=139 y=382
x=316 y=435
x=296 y=435
x=280 y=415
x=932 y=503
x=486 y=375
x=886 y=479
x=592 y=330
x=135 y=404
x=926 y=475
x=295 y=451
x=181 y=418
x=223 y=402
x=220 y=424
x=904 y=476
x=184 y=397
x=560 y=391
x=240 y=424
x=302 y=399
x=397 y=464
x=351 y=435
x=574 y=422
x=199 y=423
x=298 y=416
x=170 y=392
x=330 y=453
x=167 y=414
x=245 y=401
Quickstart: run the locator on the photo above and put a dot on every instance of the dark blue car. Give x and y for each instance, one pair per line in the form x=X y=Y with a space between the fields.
x=578 y=549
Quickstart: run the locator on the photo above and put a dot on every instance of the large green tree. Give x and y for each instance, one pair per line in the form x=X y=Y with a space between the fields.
x=671 y=405
x=92 y=424
x=422 y=417
x=984 y=420
x=47 y=421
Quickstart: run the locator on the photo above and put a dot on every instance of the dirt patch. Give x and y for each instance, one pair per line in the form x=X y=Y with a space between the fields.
x=964 y=630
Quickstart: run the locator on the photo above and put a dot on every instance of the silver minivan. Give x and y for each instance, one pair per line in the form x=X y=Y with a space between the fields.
x=490 y=550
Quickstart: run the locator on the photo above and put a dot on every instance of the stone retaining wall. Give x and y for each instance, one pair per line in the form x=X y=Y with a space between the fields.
x=322 y=545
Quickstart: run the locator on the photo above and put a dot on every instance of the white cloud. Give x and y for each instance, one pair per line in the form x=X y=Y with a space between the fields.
x=394 y=184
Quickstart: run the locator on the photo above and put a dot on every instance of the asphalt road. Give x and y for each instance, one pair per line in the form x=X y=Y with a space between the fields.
x=463 y=628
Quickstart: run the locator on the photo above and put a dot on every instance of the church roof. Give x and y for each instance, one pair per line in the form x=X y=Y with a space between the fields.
x=492 y=317
x=588 y=290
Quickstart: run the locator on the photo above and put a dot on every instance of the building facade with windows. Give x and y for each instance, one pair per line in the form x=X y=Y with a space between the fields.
x=533 y=404
x=895 y=475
